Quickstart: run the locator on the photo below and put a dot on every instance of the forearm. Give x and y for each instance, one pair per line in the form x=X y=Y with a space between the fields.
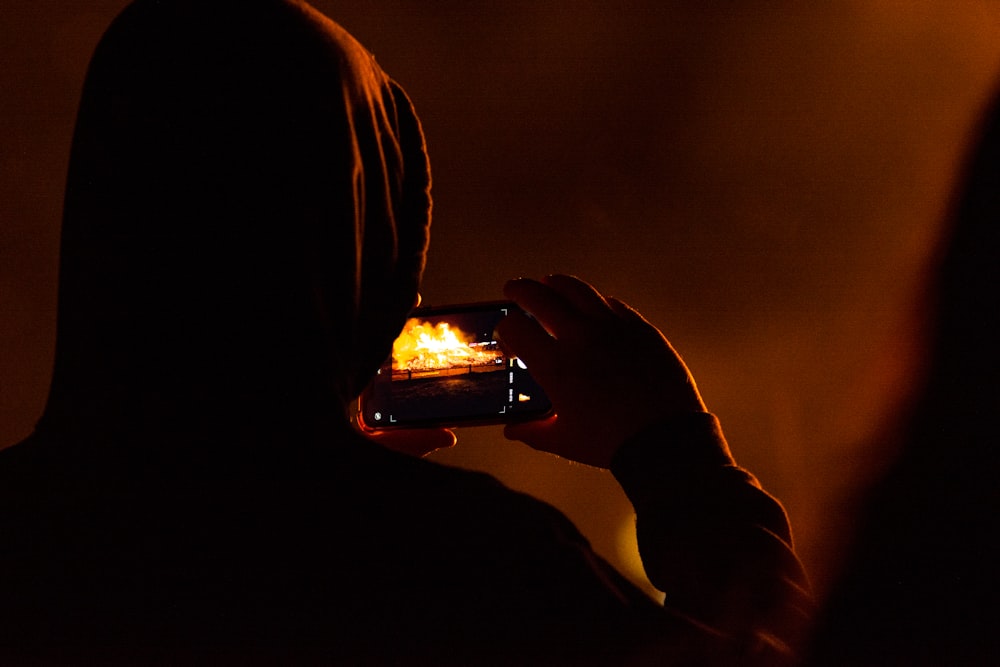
x=717 y=545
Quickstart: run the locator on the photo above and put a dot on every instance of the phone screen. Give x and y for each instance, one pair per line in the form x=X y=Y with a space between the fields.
x=447 y=369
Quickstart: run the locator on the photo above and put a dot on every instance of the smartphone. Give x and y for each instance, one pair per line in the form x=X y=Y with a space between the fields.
x=447 y=369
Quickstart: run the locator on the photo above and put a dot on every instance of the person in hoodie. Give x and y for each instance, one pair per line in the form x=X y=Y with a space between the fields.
x=245 y=227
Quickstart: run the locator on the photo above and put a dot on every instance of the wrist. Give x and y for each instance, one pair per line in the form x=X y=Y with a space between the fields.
x=680 y=447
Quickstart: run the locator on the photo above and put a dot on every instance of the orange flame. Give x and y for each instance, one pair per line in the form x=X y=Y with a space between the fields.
x=423 y=346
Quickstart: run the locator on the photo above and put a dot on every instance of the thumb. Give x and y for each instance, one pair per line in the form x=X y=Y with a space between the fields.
x=415 y=442
x=532 y=433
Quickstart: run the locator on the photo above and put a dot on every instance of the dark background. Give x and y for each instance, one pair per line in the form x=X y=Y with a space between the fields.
x=764 y=180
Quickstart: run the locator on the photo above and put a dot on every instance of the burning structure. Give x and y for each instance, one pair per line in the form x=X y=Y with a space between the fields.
x=427 y=350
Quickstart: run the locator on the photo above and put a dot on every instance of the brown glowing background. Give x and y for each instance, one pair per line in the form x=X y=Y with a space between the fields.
x=764 y=183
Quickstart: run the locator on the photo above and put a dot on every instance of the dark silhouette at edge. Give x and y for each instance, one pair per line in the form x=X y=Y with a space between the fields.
x=920 y=586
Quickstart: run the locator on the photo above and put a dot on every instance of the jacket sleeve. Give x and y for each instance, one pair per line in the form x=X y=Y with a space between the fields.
x=717 y=545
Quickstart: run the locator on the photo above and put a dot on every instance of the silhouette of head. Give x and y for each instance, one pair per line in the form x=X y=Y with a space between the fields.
x=246 y=216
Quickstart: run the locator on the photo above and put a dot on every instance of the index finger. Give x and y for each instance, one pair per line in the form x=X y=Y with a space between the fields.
x=581 y=294
x=558 y=313
x=526 y=338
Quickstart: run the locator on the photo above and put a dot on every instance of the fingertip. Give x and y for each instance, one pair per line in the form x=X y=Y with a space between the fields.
x=625 y=310
x=618 y=305
x=515 y=285
x=498 y=329
x=554 y=279
x=513 y=432
x=527 y=432
x=415 y=442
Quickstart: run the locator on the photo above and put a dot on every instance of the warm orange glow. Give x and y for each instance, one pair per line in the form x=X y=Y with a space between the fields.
x=424 y=346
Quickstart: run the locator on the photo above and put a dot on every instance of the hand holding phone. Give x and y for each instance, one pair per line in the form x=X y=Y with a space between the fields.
x=608 y=372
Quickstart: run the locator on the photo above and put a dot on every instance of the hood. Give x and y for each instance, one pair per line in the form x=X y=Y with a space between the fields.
x=246 y=218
